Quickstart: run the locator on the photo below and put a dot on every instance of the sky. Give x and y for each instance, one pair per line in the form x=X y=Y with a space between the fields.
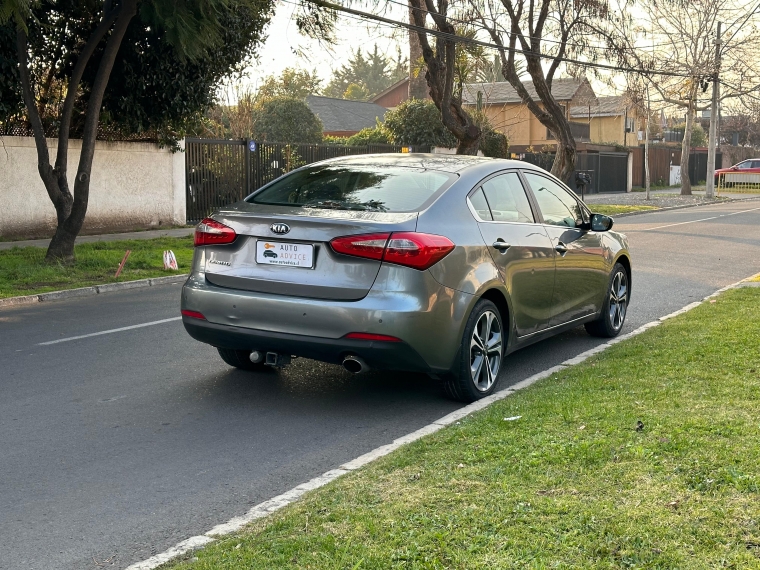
x=286 y=47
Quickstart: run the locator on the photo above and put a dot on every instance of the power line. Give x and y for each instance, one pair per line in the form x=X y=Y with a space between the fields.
x=461 y=39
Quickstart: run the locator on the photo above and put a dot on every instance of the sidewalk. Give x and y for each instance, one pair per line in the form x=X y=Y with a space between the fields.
x=662 y=198
x=149 y=234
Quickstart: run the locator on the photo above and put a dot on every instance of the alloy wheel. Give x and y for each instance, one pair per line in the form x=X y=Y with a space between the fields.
x=618 y=300
x=486 y=349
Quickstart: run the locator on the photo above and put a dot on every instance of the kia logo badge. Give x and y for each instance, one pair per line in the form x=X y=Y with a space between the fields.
x=280 y=228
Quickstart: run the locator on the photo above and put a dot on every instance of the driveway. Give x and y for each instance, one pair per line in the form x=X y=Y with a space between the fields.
x=119 y=445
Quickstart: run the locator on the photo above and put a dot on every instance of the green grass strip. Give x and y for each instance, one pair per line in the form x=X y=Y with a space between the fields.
x=572 y=483
x=614 y=209
x=23 y=271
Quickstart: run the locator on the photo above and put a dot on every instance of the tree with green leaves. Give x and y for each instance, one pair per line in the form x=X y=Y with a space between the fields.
x=373 y=72
x=136 y=65
x=374 y=135
x=287 y=120
x=291 y=82
x=417 y=123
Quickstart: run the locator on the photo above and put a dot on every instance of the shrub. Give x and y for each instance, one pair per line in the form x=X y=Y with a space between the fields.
x=286 y=119
x=417 y=123
x=374 y=135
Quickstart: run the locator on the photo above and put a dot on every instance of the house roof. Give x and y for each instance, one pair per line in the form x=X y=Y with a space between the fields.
x=614 y=106
x=342 y=115
x=399 y=83
x=503 y=92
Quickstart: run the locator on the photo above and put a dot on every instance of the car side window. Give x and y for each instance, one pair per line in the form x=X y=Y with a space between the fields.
x=507 y=199
x=756 y=164
x=744 y=165
x=557 y=205
x=479 y=203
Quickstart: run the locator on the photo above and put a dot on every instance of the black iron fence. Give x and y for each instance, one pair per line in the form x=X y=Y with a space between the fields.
x=220 y=172
x=608 y=170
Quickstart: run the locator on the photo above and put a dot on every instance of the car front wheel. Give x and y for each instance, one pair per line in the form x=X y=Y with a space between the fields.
x=479 y=359
x=615 y=308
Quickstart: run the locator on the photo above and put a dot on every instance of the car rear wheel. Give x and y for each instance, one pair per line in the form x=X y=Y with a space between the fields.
x=479 y=359
x=240 y=359
x=611 y=321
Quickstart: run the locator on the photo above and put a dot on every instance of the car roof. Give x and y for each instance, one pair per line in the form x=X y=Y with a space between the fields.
x=442 y=162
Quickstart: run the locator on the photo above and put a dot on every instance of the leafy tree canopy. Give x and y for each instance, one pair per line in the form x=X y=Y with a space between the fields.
x=417 y=123
x=166 y=72
x=373 y=72
x=287 y=120
x=291 y=83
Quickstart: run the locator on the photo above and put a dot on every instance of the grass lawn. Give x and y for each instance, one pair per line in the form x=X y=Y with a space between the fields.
x=23 y=271
x=572 y=483
x=614 y=209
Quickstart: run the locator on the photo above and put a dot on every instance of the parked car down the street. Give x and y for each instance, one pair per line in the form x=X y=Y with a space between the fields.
x=426 y=263
x=750 y=166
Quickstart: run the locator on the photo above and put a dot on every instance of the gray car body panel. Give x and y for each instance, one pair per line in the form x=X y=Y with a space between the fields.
x=544 y=292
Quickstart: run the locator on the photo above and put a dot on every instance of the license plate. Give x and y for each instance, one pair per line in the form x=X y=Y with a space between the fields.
x=285 y=253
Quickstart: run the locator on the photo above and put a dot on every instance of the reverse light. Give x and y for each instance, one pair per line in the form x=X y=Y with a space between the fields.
x=211 y=232
x=193 y=314
x=372 y=336
x=410 y=249
x=370 y=246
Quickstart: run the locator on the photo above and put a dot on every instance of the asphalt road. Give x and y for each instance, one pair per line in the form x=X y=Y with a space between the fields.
x=117 y=446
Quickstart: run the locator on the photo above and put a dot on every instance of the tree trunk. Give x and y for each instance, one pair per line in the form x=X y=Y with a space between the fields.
x=61 y=247
x=564 y=161
x=685 y=150
x=417 y=85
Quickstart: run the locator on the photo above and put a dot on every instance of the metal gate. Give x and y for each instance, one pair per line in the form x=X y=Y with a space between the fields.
x=220 y=172
x=609 y=170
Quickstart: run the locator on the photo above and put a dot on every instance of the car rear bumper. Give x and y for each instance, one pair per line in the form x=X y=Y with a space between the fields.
x=381 y=355
x=403 y=303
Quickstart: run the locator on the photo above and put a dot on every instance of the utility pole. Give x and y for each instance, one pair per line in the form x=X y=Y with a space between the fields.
x=646 y=145
x=710 y=182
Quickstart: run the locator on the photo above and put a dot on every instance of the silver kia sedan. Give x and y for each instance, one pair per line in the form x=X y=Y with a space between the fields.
x=430 y=263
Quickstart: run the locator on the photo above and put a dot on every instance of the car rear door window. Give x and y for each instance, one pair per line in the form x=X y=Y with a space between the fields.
x=507 y=200
x=479 y=204
x=356 y=187
x=557 y=205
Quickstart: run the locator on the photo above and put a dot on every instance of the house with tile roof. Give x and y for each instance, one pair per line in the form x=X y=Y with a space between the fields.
x=343 y=117
x=509 y=115
x=611 y=120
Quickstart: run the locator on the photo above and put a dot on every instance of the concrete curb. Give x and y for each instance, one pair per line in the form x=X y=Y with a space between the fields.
x=276 y=503
x=667 y=208
x=89 y=291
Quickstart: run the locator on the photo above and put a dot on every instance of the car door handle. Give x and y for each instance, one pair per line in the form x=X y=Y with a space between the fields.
x=501 y=245
x=560 y=248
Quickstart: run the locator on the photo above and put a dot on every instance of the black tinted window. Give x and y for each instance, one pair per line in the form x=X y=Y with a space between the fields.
x=557 y=205
x=356 y=187
x=507 y=200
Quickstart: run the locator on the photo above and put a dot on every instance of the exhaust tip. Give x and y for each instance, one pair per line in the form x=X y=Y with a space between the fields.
x=354 y=364
x=256 y=357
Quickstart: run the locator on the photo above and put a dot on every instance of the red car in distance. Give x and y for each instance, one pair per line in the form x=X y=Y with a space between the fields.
x=749 y=166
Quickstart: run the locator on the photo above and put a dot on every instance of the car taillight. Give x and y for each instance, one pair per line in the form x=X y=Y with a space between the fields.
x=410 y=249
x=419 y=251
x=370 y=246
x=211 y=232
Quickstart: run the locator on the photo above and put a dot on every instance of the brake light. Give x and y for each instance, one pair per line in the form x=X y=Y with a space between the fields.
x=419 y=251
x=372 y=336
x=370 y=246
x=410 y=249
x=211 y=232
x=192 y=314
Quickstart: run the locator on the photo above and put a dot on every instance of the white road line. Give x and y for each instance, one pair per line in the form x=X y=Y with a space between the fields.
x=150 y=324
x=691 y=221
x=276 y=503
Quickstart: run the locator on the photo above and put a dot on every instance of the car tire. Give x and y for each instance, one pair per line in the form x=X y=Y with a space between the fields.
x=615 y=307
x=241 y=359
x=469 y=381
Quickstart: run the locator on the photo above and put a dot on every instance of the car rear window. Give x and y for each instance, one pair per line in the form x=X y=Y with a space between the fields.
x=366 y=188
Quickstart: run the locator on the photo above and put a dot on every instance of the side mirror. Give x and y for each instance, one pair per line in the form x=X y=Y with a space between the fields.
x=601 y=223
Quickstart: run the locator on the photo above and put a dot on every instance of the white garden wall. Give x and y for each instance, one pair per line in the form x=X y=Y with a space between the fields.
x=133 y=185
